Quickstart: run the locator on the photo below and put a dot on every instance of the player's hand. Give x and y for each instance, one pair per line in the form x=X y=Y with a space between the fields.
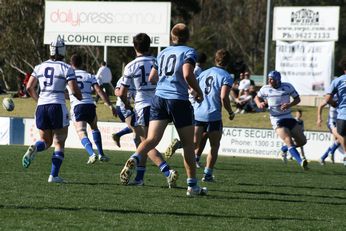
x=319 y=122
x=285 y=106
x=261 y=105
x=231 y=115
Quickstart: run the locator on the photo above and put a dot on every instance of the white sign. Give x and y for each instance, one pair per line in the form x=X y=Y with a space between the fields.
x=107 y=23
x=246 y=142
x=306 y=65
x=4 y=130
x=306 y=23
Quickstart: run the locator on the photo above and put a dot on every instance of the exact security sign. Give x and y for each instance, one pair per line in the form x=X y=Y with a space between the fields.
x=306 y=23
x=107 y=23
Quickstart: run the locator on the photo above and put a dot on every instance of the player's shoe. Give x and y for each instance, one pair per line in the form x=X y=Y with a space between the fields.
x=304 y=164
x=322 y=162
x=136 y=183
x=92 y=159
x=345 y=161
x=103 y=158
x=29 y=156
x=284 y=157
x=127 y=171
x=172 y=179
x=196 y=191
x=198 y=164
x=56 y=179
x=208 y=178
x=116 y=139
x=176 y=144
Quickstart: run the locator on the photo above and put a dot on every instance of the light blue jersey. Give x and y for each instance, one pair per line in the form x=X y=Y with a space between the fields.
x=211 y=82
x=53 y=77
x=338 y=87
x=169 y=63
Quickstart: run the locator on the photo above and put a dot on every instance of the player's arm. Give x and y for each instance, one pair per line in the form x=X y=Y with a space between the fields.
x=153 y=76
x=75 y=91
x=30 y=87
x=330 y=101
x=296 y=100
x=319 y=112
x=123 y=96
x=226 y=102
x=105 y=98
x=192 y=82
x=260 y=102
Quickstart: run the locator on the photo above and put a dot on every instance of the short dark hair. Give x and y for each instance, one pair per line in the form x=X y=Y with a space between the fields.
x=342 y=63
x=76 y=60
x=201 y=57
x=222 y=57
x=141 y=42
x=103 y=63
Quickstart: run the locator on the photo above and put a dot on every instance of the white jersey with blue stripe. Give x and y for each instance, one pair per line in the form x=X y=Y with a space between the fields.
x=136 y=73
x=275 y=97
x=85 y=82
x=53 y=77
x=130 y=94
x=169 y=64
x=211 y=82
x=338 y=88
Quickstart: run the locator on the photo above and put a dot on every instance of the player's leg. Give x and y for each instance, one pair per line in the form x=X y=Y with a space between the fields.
x=200 y=148
x=46 y=137
x=214 y=134
x=98 y=139
x=81 y=128
x=59 y=139
x=116 y=136
x=341 y=135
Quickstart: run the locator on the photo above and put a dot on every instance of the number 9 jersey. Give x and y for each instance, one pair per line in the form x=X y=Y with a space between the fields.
x=169 y=63
x=53 y=77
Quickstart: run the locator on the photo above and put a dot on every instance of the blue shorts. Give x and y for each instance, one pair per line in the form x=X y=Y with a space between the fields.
x=142 y=117
x=180 y=112
x=341 y=127
x=84 y=112
x=51 y=116
x=123 y=114
x=287 y=123
x=210 y=126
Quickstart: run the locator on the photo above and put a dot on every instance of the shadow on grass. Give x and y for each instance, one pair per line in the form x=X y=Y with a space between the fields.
x=162 y=213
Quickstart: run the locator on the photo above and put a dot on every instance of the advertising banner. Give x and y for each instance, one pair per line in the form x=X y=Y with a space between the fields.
x=306 y=23
x=107 y=23
x=4 y=130
x=306 y=65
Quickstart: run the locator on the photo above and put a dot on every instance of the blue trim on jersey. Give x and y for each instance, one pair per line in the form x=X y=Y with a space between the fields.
x=53 y=91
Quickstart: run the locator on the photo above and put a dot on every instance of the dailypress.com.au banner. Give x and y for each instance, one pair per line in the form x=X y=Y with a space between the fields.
x=306 y=65
x=107 y=23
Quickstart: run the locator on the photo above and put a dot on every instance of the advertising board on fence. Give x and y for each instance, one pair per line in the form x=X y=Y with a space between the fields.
x=107 y=23
x=306 y=65
x=304 y=23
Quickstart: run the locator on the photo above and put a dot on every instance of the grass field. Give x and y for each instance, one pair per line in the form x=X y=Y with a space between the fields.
x=249 y=194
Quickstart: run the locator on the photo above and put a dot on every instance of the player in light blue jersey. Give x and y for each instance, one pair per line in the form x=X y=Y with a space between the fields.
x=278 y=95
x=83 y=112
x=51 y=116
x=216 y=84
x=136 y=73
x=338 y=87
x=331 y=124
x=125 y=115
x=173 y=73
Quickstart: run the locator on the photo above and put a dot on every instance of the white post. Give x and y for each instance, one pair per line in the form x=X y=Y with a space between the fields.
x=269 y=27
x=105 y=54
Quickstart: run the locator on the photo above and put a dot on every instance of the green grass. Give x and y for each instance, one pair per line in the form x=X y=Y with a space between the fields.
x=25 y=107
x=249 y=194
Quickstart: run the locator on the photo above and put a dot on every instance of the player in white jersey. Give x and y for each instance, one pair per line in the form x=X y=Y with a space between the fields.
x=278 y=95
x=216 y=84
x=136 y=73
x=331 y=124
x=173 y=73
x=125 y=115
x=52 y=118
x=83 y=111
